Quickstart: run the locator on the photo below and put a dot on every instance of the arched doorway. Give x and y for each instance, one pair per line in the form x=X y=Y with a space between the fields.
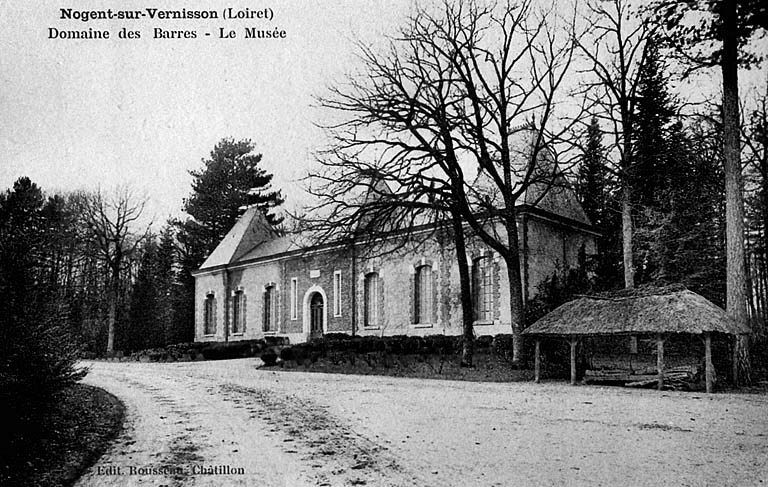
x=316 y=315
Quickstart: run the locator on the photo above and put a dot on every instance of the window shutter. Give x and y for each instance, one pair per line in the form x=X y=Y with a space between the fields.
x=243 y=315
x=213 y=318
x=496 y=290
x=475 y=289
x=380 y=309
x=231 y=314
x=359 y=301
x=414 y=295
x=435 y=301
x=205 y=324
x=264 y=311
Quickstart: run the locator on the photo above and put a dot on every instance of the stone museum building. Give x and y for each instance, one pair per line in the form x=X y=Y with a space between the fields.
x=257 y=284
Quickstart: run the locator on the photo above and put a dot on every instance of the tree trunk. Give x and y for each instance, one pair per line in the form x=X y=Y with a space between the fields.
x=114 y=292
x=516 y=311
x=736 y=299
x=709 y=369
x=660 y=361
x=467 y=311
x=573 y=341
x=626 y=232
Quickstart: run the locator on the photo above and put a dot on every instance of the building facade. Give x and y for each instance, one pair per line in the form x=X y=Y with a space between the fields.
x=257 y=284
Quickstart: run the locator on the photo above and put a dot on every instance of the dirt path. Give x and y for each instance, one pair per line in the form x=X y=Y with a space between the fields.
x=294 y=429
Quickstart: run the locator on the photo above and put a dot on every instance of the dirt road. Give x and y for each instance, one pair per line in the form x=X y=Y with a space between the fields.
x=228 y=423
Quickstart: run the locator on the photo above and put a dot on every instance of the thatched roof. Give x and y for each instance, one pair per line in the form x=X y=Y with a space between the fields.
x=644 y=312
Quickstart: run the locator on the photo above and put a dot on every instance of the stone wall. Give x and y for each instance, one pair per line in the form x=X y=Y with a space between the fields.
x=213 y=284
x=550 y=248
x=314 y=272
x=253 y=281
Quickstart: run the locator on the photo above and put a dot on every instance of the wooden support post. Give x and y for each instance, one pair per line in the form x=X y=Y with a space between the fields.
x=574 y=342
x=708 y=368
x=735 y=360
x=537 y=362
x=660 y=360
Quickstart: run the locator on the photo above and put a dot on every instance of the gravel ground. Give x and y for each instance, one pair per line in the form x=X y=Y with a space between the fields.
x=228 y=423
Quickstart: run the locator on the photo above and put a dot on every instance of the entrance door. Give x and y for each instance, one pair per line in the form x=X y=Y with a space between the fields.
x=316 y=316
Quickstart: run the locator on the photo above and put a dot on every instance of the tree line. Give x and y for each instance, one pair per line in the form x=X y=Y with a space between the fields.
x=93 y=263
x=468 y=110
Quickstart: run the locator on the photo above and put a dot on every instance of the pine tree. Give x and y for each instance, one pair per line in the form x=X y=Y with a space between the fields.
x=690 y=241
x=144 y=330
x=167 y=285
x=659 y=170
x=38 y=356
x=723 y=29
x=230 y=179
x=593 y=188
x=654 y=113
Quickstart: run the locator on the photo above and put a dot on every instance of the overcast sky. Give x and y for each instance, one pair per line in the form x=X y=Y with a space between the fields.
x=79 y=114
x=89 y=113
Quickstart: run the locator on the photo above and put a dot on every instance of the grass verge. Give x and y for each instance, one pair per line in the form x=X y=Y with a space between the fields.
x=79 y=427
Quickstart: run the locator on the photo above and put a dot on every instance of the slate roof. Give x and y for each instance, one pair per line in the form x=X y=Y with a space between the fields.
x=249 y=232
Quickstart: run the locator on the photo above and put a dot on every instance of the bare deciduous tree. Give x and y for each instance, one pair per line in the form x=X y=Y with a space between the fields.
x=113 y=223
x=452 y=98
x=616 y=51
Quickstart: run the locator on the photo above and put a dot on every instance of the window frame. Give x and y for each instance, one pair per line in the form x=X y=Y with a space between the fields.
x=269 y=318
x=238 y=312
x=294 y=298
x=209 y=314
x=423 y=295
x=337 y=294
x=482 y=289
x=371 y=300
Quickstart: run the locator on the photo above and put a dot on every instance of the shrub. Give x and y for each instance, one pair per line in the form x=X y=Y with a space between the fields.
x=38 y=361
x=502 y=346
x=441 y=344
x=484 y=342
x=230 y=350
x=269 y=357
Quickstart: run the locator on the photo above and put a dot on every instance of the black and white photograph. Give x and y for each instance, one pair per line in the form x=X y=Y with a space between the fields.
x=383 y=243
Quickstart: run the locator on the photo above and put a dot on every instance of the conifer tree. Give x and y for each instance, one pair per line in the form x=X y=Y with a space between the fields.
x=231 y=178
x=145 y=329
x=654 y=113
x=722 y=30
x=37 y=353
x=594 y=186
x=592 y=174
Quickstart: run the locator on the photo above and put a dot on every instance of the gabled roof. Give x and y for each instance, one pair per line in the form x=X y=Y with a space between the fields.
x=553 y=195
x=272 y=247
x=661 y=310
x=377 y=189
x=250 y=231
x=557 y=198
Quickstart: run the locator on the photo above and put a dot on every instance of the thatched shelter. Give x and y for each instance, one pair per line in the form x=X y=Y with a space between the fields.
x=648 y=312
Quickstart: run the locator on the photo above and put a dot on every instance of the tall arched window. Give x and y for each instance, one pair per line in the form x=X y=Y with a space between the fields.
x=238 y=312
x=482 y=278
x=209 y=315
x=371 y=300
x=423 y=294
x=270 y=299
